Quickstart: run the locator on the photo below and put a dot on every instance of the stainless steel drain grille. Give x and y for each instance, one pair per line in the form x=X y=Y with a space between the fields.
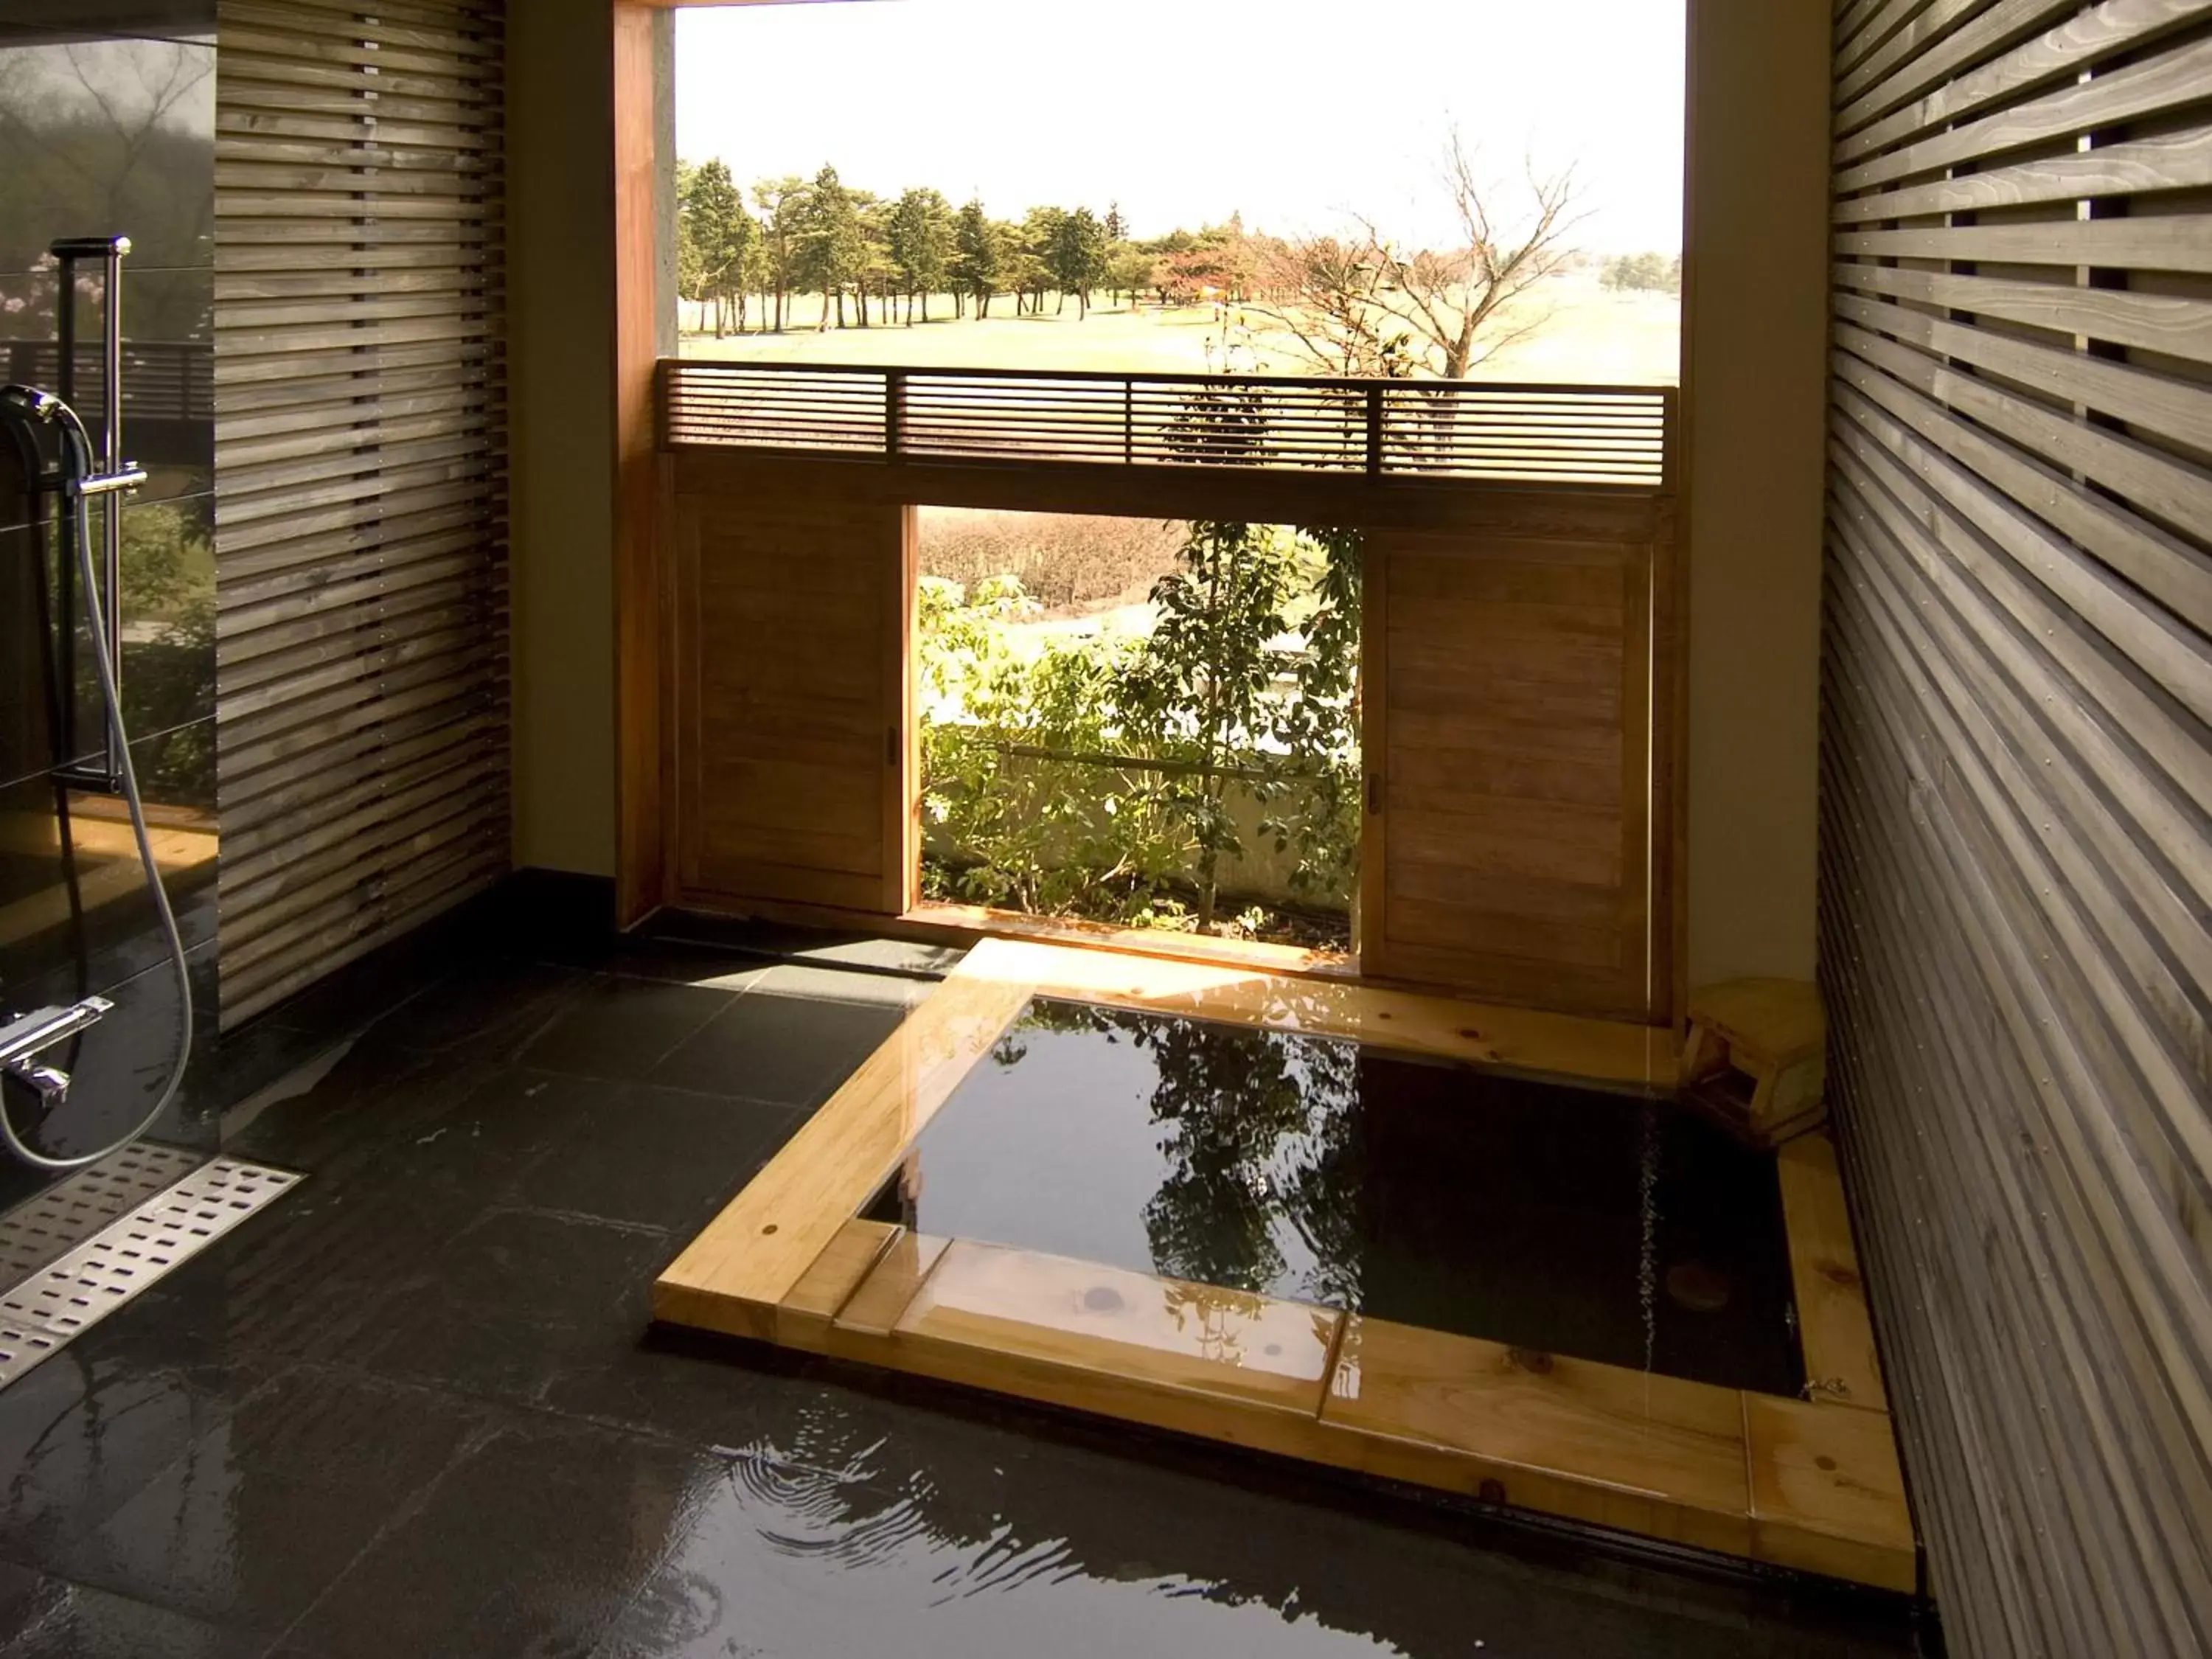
x=42 y=1229
x=130 y=1255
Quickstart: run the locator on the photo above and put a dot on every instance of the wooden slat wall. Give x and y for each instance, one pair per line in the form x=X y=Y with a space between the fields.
x=2016 y=835
x=793 y=743
x=1509 y=738
x=361 y=477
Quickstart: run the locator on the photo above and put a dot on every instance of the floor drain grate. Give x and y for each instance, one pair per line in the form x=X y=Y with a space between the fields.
x=43 y=1228
x=130 y=1254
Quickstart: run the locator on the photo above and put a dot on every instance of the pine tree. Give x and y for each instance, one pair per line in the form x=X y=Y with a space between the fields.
x=782 y=203
x=977 y=257
x=876 y=270
x=1123 y=271
x=690 y=257
x=714 y=232
x=1038 y=236
x=747 y=258
x=921 y=239
x=832 y=243
x=1079 y=256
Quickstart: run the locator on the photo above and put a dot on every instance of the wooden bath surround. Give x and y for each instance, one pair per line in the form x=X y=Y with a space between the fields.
x=1810 y=1484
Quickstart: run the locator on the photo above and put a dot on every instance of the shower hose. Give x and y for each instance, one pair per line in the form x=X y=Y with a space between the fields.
x=45 y=407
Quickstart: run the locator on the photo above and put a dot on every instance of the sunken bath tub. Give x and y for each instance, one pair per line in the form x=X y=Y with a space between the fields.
x=1471 y=1248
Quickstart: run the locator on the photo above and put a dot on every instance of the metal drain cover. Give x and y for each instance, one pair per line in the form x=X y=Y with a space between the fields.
x=130 y=1255
x=45 y=1227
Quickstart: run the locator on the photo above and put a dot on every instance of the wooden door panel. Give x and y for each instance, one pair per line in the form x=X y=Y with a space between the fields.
x=1509 y=747
x=792 y=753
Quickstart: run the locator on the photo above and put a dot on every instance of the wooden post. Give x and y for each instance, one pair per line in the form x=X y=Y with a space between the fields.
x=643 y=685
x=1375 y=431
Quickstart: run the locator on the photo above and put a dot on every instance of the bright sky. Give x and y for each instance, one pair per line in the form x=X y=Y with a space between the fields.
x=1297 y=111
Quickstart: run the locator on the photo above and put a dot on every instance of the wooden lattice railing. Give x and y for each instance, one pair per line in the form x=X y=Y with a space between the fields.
x=1612 y=436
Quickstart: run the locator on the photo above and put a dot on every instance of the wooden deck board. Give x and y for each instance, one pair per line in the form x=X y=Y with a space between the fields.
x=1652 y=1455
x=1826 y=1495
x=1833 y=1326
x=877 y=1307
x=1140 y=1330
x=804 y=1317
x=1605 y=1052
x=734 y=1274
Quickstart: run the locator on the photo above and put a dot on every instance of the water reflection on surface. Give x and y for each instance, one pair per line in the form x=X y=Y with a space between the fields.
x=1544 y=1216
x=372 y=1516
x=846 y=1540
x=794 y=1560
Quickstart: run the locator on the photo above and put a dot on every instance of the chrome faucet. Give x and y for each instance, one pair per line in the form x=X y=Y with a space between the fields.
x=24 y=1037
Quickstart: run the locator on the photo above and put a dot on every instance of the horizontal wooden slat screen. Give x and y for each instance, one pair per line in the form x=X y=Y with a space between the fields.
x=360 y=477
x=2016 y=828
x=1593 y=436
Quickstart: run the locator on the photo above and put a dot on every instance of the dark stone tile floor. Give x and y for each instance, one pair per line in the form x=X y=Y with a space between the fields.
x=416 y=1408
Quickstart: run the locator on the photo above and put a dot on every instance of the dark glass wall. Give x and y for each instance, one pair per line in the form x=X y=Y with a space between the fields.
x=107 y=127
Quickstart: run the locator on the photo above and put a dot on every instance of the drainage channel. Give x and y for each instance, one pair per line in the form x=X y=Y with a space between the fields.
x=103 y=1268
x=50 y=1223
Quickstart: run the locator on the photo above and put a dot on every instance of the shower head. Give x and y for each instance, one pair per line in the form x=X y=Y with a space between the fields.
x=28 y=402
x=24 y=409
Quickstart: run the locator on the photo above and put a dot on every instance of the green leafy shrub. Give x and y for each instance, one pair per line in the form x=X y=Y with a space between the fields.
x=1119 y=778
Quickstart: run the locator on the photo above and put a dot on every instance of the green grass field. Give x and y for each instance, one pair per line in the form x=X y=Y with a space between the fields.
x=1593 y=337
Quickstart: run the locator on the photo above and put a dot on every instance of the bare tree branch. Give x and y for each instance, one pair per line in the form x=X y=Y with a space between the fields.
x=1373 y=307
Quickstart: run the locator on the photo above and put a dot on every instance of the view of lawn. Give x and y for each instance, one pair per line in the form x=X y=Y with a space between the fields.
x=1595 y=337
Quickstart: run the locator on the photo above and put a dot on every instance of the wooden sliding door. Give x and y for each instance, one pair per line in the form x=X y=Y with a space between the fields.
x=793 y=751
x=1509 y=736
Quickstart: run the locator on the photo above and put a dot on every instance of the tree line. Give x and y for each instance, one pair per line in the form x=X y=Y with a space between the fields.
x=1642 y=273
x=745 y=252
x=1365 y=303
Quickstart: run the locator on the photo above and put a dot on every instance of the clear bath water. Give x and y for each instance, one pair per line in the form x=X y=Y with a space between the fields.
x=1569 y=1220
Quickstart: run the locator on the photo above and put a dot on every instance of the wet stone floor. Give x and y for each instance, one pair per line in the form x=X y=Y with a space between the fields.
x=416 y=1408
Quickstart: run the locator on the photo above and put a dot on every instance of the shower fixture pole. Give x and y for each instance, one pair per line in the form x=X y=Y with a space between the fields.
x=25 y=1038
x=111 y=471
